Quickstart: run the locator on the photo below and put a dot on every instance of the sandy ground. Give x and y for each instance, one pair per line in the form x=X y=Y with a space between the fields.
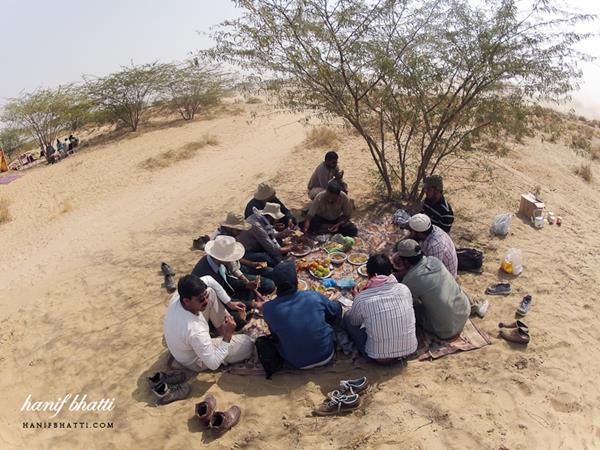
x=82 y=303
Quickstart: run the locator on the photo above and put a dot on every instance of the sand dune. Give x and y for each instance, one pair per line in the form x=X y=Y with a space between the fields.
x=82 y=303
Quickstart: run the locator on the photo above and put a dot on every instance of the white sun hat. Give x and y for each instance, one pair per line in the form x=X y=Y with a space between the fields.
x=419 y=223
x=273 y=210
x=225 y=248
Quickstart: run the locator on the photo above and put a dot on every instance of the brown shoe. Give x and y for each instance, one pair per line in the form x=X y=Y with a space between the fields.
x=516 y=335
x=223 y=421
x=205 y=410
x=516 y=324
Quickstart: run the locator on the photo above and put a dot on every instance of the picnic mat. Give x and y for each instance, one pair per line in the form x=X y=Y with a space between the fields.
x=471 y=338
x=9 y=178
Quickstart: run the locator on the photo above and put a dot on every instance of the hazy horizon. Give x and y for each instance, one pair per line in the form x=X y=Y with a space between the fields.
x=65 y=39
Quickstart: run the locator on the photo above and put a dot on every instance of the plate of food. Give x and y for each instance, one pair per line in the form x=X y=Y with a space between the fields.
x=358 y=259
x=358 y=242
x=319 y=270
x=302 y=285
x=337 y=258
x=301 y=251
x=362 y=270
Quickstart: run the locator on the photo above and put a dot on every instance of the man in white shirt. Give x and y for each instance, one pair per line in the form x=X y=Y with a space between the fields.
x=198 y=300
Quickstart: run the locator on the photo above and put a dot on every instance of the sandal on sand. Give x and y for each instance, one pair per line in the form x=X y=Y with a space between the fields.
x=516 y=324
x=349 y=387
x=523 y=308
x=498 y=289
x=338 y=405
x=166 y=269
x=170 y=283
x=515 y=335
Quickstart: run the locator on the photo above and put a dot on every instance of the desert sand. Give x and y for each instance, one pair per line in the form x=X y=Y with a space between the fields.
x=82 y=304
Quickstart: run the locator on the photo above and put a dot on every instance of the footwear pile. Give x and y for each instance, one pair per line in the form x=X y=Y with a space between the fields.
x=169 y=387
x=516 y=332
x=218 y=422
x=344 y=399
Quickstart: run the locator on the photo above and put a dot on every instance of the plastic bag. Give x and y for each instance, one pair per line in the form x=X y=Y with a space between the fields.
x=401 y=218
x=501 y=224
x=512 y=261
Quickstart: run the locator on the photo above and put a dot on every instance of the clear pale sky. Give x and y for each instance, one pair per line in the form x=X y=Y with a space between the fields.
x=51 y=42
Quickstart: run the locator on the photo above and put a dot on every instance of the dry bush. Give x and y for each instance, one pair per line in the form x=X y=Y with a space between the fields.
x=4 y=211
x=499 y=148
x=595 y=153
x=321 y=137
x=253 y=100
x=584 y=171
x=579 y=142
x=165 y=159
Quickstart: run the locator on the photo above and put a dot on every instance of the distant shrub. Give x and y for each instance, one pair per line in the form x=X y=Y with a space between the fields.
x=321 y=137
x=579 y=142
x=165 y=159
x=595 y=153
x=253 y=100
x=584 y=171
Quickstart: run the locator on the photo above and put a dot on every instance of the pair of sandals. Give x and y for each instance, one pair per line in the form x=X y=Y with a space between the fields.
x=516 y=332
x=344 y=399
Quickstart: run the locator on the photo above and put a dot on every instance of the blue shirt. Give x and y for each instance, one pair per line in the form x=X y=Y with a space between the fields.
x=302 y=321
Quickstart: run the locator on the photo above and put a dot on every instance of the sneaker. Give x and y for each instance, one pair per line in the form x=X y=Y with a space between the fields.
x=166 y=269
x=349 y=387
x=338 y=405
x=482 y=308
x=499 y=289
x=166 y=394
x=174 y=377
x=223 y=421
x=170 y=283
x=523 y=308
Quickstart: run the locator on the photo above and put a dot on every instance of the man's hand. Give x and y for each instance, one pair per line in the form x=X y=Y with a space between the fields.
x=334 y=228
x=227 y=328
x=286 y=232
x=251 y=285
x=285 y=250
x=259 y=302
x=236 y=306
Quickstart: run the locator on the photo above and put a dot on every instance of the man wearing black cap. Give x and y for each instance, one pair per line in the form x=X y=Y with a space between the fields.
x=301 y=320
x=435 y=205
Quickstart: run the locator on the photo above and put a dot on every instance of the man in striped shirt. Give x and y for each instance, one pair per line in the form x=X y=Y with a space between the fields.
x=434 y=242
x=435 y=205
x=381 y=322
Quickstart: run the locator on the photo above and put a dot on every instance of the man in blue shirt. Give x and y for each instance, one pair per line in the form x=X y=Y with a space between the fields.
x=301 y=320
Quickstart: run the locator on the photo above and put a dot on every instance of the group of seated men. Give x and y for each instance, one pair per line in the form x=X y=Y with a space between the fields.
x=246 y=260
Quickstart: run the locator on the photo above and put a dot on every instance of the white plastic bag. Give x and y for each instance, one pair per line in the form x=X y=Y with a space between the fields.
x=512 y=261
x=501 y=224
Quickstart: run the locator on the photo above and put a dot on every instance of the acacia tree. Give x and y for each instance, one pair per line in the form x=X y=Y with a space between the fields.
x=416 y=79
x=126 y=93
x=191 y=86
x=10 y=140
x=42 y=113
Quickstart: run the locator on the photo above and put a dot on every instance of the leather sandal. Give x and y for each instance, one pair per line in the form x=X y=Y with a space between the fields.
x=515 y=335
x=516 y=324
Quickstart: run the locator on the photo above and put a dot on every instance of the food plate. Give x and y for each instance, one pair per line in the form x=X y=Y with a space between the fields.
x=305 y=251
x=337 y=258
x=358 y=259
x=318 y=277
x=358 y=242
x=362 y=270
x=302 y=285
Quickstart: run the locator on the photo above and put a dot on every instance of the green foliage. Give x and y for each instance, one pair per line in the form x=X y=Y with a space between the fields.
x=127 y=93
x=190 y=87
x=417 y=79
x=42 y=113
x=11 y=139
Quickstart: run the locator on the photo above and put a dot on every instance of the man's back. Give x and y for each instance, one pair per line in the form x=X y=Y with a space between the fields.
x=389 y=319
x=446 y=306
x=299 y=321
x=440 y=245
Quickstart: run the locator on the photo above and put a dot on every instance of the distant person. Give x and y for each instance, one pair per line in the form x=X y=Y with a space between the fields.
x=265 y=193
x=51 y=155
x=441 y=307
x=196 y=302
x=381 y=322
x=435 y=205
x=330 y=212
x=325 y=172
x=302 y=321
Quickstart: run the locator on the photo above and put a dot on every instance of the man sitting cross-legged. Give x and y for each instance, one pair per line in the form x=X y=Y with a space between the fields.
x=330 y=212
x=381 y=322
x=301 y=320
x=186 y=328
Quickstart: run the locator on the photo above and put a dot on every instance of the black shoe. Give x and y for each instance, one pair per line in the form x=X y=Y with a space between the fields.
x=170 y=283
x=170 y=378
x=166 y=269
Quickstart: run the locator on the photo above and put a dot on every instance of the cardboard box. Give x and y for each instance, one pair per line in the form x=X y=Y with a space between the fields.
x=529 y=203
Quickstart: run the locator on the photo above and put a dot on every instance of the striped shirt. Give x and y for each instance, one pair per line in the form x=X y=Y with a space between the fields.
x=387 y=314
x=440 y=245
x=440 y=213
